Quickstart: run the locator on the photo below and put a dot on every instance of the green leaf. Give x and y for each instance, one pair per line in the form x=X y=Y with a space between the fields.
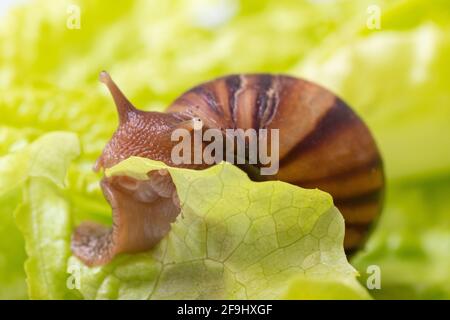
x=51 y=154
x=332 y=287
x=12 y=249
x=48 y=80
x=234 y=238
x=43 y=215
x=44 y=220
x=397 y=79
x=411 y=243
x=48 y=156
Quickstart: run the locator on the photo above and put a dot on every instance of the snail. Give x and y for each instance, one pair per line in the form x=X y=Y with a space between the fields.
x=322 y=144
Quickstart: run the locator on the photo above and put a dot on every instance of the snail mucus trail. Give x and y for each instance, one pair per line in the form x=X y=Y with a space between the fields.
x=322 y=144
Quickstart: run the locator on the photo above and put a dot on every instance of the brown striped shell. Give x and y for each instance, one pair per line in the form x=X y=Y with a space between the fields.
x=323 y=144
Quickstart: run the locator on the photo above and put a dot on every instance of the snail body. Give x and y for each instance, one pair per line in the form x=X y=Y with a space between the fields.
x=322 y=144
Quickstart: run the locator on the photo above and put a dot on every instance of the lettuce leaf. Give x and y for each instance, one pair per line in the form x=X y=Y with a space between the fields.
x=234 y=238
x=39 y=172
x=48 y=80
x=411 y=243
x=44 y=219
x=397 y=79
x=330 y=288
x=12 y=249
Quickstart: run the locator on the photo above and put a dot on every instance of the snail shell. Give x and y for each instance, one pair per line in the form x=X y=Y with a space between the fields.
x=322 y=144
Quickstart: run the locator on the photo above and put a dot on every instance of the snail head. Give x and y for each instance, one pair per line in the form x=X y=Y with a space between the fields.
x=140 y=133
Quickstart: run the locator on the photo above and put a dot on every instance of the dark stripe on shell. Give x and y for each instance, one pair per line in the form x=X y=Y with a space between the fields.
x=370 y=196
x=233 y=86
x=262 y=98
x=209 y=97
x=267 y=100
x=338 y=116
x=374 y=163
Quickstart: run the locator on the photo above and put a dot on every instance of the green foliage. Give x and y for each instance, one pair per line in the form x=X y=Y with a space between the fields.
x=396 y=78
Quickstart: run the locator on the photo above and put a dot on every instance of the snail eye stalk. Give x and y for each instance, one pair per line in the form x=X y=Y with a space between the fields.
x=123 y=105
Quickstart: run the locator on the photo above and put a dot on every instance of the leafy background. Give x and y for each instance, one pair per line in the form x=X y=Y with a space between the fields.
x=396 y=78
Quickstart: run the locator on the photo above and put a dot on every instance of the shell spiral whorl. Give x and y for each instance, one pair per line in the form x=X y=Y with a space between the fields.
x=323 y=143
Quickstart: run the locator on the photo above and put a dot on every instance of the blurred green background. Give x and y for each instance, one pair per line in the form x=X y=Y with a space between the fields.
x=397 y=78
